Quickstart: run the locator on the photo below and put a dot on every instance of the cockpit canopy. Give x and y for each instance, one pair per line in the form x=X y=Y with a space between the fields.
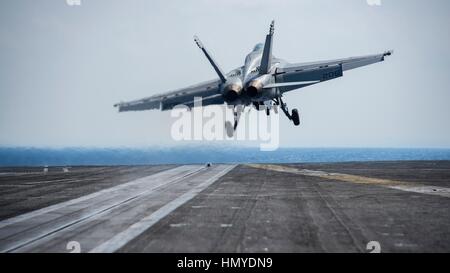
x=258 y=47
x=255 y=52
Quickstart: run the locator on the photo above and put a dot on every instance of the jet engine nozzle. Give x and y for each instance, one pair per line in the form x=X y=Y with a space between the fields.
x=232 y=89
x=255 y=87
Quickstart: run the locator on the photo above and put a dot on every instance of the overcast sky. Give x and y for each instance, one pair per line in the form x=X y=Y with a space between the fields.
x=63 y=67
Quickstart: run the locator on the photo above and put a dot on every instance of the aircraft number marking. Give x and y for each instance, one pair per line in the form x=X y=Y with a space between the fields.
x=331 y=75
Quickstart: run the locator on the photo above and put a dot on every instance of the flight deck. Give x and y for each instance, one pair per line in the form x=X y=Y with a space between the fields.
x=264 y=208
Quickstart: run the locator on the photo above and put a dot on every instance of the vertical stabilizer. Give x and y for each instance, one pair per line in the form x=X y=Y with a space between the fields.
x=266 y=60
x=211 y=60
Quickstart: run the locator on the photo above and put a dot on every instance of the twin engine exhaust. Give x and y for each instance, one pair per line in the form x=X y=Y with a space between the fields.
x=233 y=88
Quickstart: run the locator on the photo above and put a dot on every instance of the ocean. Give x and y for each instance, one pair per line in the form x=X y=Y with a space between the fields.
x=201 y=155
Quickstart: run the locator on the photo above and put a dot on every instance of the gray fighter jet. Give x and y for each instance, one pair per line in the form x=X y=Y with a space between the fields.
x=261 y=82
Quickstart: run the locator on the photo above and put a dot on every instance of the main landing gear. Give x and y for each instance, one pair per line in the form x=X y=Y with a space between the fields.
x=295 y=117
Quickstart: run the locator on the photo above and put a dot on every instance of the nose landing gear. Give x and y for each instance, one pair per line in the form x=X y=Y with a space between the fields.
x=229 y=127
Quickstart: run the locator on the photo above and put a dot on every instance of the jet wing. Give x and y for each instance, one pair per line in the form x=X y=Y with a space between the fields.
x=347 y=63
x=208 y=91
x=316 y=72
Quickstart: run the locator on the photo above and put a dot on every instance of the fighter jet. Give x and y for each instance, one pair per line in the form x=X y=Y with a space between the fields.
x=261 y=82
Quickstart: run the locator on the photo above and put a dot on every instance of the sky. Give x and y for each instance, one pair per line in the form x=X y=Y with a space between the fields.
x=62 y=67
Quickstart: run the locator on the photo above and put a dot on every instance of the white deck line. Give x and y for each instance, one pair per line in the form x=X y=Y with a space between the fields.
x=38 y=212
x=162 y=178
x=122 y=238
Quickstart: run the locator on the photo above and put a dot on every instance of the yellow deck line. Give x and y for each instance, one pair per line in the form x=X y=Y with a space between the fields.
x=357 y=179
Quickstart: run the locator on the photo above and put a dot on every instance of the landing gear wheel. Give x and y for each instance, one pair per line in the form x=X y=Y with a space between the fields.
x=295 y=117
x=268 y=111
